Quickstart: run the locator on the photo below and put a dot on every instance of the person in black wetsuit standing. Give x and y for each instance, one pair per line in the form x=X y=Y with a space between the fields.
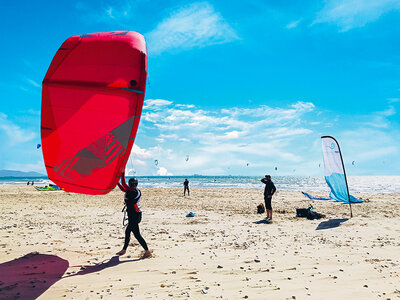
x=268 y=192
x=132 y=202
x=186 y=187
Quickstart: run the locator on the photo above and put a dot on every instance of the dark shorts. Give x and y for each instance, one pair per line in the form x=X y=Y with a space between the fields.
x=268 y=203
x=135 y=218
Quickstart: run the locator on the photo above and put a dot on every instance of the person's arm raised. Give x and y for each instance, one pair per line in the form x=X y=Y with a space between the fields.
x=123 y=186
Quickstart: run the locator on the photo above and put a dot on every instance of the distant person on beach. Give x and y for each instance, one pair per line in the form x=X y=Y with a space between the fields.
x=268 y=192
x=186 y=187
x=132 y=202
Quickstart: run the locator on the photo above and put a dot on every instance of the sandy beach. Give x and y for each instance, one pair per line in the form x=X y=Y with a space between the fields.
x=56 y=245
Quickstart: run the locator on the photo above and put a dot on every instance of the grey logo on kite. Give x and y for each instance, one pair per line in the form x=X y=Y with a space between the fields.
x=98 y=154
x=119 y=33
x=111 y=33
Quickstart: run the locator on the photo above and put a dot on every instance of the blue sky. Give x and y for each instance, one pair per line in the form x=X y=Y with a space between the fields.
x=241 y=87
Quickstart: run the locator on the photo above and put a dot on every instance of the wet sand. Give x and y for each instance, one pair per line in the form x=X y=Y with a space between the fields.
x=63 y=246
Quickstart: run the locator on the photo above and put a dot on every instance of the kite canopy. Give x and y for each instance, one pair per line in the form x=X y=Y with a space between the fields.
x=92 y=100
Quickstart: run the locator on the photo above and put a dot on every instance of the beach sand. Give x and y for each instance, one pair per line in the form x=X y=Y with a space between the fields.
x=57 y=245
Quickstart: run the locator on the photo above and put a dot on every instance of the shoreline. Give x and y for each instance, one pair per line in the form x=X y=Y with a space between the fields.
x=314 y=188
x=309 y=184
x=225 y=250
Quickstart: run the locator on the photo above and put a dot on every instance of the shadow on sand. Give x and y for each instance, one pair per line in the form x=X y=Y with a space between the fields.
x=30 y=276
x=112 y=262
x=332 y=223
x=263 y=221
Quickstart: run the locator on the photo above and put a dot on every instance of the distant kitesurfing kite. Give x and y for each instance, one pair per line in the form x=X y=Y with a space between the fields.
x=156 y=162
x=92 y=98
x=187 y=158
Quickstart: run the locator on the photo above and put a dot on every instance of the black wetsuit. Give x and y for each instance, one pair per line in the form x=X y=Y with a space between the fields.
x=186 y=187
x=132 y=201
x=268 y=192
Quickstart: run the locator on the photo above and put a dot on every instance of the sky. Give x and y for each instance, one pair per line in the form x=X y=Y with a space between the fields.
x=234 y=87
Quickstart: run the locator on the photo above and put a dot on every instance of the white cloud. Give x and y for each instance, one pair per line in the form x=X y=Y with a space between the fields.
x=303 y=106
x=225 y=139
x=121 y=12
x=33 y=83
x=245 y=152
x=15 y=134
x=185 y=105
x=232 y=134
x=195 y=25
x=24 y=84
x=27 y=167
x=33 y=112
x=155 y=104
x=140 y=153
x=370 y=147
x=272 y=113
x=349 y=14
x=286 y=132
x=163 y=172
x=239 y=119
x=377 y=153
x=293 y=24
x=172 y=136
x=388 y=112
x=379 y=119
x=136 y=161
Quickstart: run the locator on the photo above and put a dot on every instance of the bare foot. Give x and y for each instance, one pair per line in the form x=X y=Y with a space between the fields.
x=146 y=254
x=122 y=252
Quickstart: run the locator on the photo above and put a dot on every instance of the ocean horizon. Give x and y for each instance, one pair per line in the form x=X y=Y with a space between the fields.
x=357 y=184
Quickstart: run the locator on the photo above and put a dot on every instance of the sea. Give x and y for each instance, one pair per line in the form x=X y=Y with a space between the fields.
x=357 y=184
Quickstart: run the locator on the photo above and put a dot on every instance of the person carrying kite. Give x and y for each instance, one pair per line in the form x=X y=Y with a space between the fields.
x=132 y=202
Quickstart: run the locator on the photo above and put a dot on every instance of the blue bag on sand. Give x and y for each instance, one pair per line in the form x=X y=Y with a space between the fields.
x=191 y=214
